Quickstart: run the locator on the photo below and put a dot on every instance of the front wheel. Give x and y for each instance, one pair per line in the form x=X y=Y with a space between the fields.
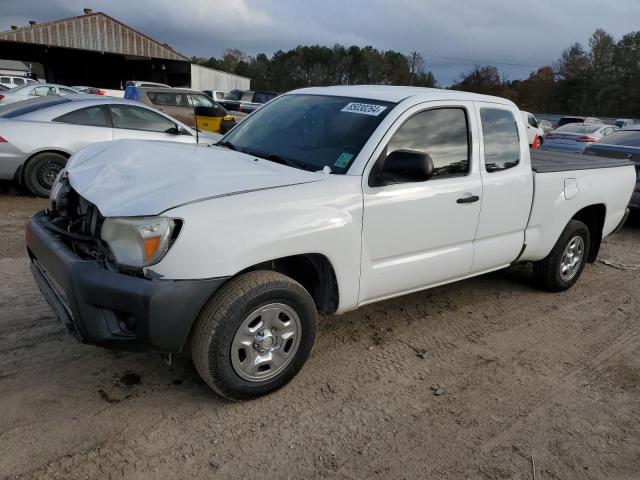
x=41 y=170
x=561 y=269
x=254 y=335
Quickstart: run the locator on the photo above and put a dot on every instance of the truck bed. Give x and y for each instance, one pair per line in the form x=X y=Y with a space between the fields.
x=543 y=161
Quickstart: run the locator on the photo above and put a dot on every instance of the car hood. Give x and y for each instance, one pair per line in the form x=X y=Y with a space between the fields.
x=137 y=178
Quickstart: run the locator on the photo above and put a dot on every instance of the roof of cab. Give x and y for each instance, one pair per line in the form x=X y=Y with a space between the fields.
x=396 y=94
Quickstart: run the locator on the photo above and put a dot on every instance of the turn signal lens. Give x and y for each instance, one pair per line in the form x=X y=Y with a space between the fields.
x=3 y=140
x=151 y=245
x=138 y=242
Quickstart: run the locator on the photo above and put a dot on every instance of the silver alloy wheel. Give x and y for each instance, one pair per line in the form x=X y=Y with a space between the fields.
x=266 y=342
x=571 y=258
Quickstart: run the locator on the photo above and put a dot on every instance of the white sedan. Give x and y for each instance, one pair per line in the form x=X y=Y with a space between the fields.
x=33 y=90
x=38 y=135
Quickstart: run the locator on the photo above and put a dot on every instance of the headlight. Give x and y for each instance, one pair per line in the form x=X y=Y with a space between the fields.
x=56 y=189
x=138 y=242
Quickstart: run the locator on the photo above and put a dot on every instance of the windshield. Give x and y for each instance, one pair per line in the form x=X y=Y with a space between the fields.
x=629 y=138
x=21 y=87
x=578 y=128
x=309 y=131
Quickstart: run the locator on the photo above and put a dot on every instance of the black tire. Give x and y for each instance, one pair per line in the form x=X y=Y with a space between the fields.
x=548 y=272
x=41 y=170
x=224 y=314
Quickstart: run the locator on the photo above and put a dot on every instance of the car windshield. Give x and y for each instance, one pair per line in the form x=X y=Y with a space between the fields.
x=578 y=128
x=21 y=87
x=629 y=138
x=309 y=131
x=567 y=120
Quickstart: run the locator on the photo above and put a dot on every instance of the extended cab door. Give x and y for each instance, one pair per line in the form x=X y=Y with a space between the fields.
x=420 y=234
x=507 y=186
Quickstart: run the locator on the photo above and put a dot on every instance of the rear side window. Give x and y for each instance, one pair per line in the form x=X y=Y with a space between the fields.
x=442 y=133
x=532 y=121
x=247 y=97
x=91 y=116
x=500 y=138
x=19 y=81
x=168 y=99
x=263 y=97
x=5 y=80
x=43 y=91
x=219 y=96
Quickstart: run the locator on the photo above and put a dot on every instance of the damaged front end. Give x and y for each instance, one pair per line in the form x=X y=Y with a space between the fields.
x=100 y=300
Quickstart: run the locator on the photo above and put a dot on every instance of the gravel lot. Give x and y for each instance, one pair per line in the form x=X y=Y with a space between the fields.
x=526 y=380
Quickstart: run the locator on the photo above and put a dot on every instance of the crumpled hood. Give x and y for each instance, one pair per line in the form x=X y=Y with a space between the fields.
x=137 y=177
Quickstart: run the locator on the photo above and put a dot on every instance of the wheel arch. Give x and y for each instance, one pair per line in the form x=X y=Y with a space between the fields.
x=593 y=216
x=19 y=177
x=313 y=271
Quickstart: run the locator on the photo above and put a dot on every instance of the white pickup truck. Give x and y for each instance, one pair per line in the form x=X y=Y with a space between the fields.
x=325 y=199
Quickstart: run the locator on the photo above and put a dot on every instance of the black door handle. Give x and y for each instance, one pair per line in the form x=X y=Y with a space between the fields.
x=471 y=199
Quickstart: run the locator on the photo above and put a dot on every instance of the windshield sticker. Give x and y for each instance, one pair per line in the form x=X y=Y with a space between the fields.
x=364 y=109
x=343 y=160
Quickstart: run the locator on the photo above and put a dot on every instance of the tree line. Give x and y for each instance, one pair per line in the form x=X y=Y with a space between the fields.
x=315 y=65
x=601 y=80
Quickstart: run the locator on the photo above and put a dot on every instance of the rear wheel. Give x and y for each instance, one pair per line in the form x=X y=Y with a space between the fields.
x=561 y=269
x=41 y=171
x=254 y=335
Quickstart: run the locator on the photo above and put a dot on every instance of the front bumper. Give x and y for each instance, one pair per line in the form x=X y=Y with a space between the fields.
x=112 y=309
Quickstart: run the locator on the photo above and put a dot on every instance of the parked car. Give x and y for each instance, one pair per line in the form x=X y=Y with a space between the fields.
x=10 y=81
x=326 y=199
x=183 y=104
x=38 y=135
x=217 y=95
x=535 y=134
x=90 y=90
x=569 y=119
x=545 y=125
x=624 y=122
x=622 y=144
x=249 y=101
x=574 y=137
x=32 y=90
x=144 y=83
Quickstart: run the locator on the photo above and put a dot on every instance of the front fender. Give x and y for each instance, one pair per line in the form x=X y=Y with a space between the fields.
x=223 y=236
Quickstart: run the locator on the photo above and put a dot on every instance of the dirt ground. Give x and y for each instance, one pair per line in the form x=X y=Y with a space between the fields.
x=529 y=385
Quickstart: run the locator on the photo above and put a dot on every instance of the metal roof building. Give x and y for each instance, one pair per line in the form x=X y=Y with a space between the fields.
x=95 y=49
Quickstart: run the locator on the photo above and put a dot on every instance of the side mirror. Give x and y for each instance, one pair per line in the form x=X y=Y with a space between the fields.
x=181 y=130
x=404 y=166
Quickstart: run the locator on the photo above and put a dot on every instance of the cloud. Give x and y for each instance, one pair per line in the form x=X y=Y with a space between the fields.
x=452 y=35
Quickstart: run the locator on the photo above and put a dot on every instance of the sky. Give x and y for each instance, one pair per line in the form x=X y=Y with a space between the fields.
x=453 y=35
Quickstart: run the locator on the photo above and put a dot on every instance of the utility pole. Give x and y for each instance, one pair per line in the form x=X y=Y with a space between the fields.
x=414 y=57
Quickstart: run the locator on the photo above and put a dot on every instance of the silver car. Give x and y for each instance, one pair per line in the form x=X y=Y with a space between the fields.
x=33 y=90
x=574 y=137
x=37 y=136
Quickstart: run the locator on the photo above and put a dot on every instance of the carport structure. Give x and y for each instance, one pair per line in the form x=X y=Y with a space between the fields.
x=95 y=49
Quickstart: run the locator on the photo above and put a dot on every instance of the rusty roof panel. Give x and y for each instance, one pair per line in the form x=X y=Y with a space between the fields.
x=97 y=32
